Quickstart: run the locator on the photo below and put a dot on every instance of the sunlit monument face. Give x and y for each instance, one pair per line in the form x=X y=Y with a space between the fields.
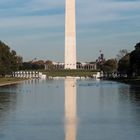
x=70 y=35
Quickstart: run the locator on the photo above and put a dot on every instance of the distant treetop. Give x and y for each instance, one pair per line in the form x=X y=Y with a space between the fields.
x=137 y=47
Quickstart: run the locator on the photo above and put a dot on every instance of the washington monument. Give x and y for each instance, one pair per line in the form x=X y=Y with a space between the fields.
x=70 y=35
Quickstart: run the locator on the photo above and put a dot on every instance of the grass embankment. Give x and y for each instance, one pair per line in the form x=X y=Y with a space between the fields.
x=64 y=73
x=10 y=80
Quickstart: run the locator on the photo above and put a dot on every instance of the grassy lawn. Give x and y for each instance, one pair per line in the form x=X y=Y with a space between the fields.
x=10 y=80
x=63 y=73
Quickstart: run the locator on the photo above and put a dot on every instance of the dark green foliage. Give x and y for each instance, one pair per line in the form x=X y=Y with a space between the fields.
x=109 y=66
x=26 y=66
x=135 y=60
x=37 y=65
x=124 y=64
x=9 y=61
x=130 y=63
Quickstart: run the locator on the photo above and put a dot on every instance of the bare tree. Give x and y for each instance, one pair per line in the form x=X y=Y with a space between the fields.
x=121 y=54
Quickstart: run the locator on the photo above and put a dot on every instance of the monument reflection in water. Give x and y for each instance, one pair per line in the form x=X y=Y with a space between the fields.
x=70 y=109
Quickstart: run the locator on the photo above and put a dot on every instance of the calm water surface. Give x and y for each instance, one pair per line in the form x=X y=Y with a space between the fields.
x=70 y=109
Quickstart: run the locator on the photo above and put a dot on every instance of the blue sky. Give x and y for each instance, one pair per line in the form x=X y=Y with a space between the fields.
x=35 y=28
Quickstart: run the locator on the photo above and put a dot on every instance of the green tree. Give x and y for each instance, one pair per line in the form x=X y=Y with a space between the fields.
x=110 y=66
x=135 y=60
x=9 y=61
x=124 y=64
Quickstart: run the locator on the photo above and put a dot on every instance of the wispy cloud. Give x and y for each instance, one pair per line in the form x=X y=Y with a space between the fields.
x=38 y=20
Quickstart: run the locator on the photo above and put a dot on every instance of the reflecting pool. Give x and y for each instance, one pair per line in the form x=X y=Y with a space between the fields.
x=69 y=109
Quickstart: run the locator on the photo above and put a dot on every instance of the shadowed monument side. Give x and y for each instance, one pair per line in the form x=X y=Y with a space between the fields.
x=70 y=35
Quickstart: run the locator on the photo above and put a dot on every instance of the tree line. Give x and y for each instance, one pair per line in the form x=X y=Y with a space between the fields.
x=130 y=62
x=125 y=63
x=9 y=60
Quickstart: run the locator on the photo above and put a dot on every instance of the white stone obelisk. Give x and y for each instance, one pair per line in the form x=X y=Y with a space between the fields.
x=70 y=35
